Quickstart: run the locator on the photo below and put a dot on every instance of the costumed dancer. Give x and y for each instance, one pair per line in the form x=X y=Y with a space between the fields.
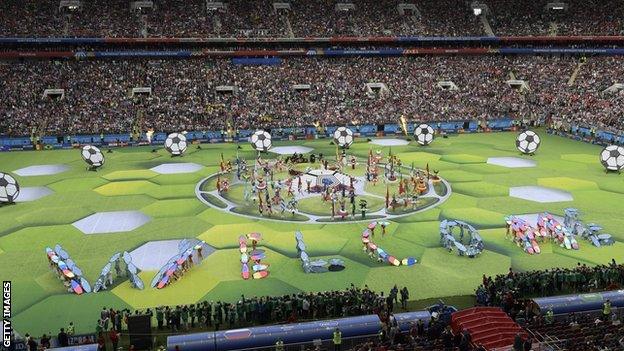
x=363 y=207
x=343 y=212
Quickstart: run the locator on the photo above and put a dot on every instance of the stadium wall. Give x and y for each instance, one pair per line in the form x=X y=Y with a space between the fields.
x=266 y=336
x=589 y=302
x=548 y=40
x=365 y=130
x=276 y=54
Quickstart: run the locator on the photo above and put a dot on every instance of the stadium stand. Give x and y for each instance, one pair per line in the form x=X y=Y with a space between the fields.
x=580 y=332
x=298 y=18
x=563 y=92
x=184 y=93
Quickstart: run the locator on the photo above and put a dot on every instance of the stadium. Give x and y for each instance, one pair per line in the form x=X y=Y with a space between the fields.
x=203 y=175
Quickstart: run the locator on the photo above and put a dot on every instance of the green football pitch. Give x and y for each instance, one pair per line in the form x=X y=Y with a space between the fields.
x=480 y=196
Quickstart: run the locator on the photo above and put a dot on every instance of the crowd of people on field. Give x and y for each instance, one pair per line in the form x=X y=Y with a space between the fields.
x=260 y=18
x=504 y=289
x=245 y=312
x=248 y=311
x=185 y=95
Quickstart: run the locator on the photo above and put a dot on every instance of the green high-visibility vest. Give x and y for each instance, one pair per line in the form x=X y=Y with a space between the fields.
x=337 y=338
x=606 y=309
x=279 y=345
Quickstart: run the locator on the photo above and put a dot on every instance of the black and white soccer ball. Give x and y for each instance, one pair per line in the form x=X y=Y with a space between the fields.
x=424 y=134
x=261 y=140
x=176 y=144
x=9 y=189
x=343 y=137
x=527 y=142
x=612 y=158
x=92 y=156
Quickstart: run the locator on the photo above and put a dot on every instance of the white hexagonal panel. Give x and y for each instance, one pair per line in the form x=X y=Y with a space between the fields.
x=389 y=142
x=511 y=162
x=152 y=255
x=33 y=193
x=289 y=150
x=112 y=222
x=40 y=170
x=540 y=194
x=177 y=168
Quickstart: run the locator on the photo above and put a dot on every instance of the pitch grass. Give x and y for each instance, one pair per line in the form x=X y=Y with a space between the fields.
x=41 y=305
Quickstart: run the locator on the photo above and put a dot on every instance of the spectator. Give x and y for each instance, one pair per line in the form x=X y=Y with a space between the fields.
x=31 y=343
x=113 y=335
x=337 y=339
x=62 y=338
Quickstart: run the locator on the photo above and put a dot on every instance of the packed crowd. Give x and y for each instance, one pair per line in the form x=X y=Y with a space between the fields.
x=505 y=289
x=437 y=336
x=259 y=18
x=580 y=17
x=185 y=96
x=581 y=332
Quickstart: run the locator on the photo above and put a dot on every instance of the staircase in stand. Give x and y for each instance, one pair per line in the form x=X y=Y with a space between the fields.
x=486 y=26
x=289 y=30
x=575 y=73
x=66 y=20
x=553 y=28
x=488 y=326
x=216 y=25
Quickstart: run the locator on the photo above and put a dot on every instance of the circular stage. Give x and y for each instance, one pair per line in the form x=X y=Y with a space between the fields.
x=315 y=190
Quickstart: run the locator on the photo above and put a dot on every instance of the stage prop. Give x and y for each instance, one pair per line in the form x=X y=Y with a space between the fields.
x=93 y=157
x=343 y=137
x=528 y=236
x=190 y=253
x=612 y=158
x=528 y=142
x=9 y=188
x=261 y=141
x=251 y=257
x=590 y=232
x=319 y=265
x=123 y=267
x=424 y=134
x=67 y=271
x=471 y=247
x=176 y=144
x=376 y=252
